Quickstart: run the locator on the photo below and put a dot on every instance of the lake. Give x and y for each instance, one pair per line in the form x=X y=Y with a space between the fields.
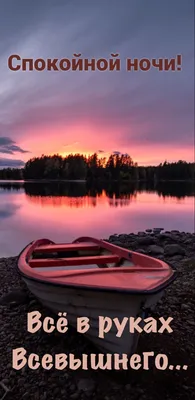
x=63 y=211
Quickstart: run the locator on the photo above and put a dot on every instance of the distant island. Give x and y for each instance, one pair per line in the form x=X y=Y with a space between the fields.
x=117 y=167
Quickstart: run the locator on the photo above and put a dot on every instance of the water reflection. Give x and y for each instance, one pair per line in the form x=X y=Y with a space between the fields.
x=63 y=211
x=55 y=192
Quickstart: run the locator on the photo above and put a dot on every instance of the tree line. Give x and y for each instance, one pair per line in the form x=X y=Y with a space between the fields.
x=118 y=167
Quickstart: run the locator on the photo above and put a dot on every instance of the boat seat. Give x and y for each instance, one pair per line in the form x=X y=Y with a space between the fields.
x=55 y=248
x=55 y=262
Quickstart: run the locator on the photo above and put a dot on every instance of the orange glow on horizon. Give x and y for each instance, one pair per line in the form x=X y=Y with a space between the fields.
x=87 y=140
x=66 y=154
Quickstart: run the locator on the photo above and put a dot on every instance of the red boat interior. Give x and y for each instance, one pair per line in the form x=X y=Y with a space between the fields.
x=92 y=262
x=84 y=255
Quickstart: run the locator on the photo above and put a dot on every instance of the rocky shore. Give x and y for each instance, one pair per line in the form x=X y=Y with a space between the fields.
x=175 y=248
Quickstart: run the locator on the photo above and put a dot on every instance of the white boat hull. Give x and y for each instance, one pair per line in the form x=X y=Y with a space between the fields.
x=92 y=304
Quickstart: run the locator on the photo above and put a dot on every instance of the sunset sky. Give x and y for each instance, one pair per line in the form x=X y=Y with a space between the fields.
x=149 y=115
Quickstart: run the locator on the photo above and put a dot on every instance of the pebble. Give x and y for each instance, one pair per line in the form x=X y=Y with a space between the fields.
x=184 y=307
x=75 y=396
x=174 y=249
x=72 y=388
x=157 y=230
x=44 y=396
x=25 y=396
x=191 y=322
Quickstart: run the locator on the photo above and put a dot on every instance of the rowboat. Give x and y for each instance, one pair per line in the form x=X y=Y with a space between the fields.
x=92 y=278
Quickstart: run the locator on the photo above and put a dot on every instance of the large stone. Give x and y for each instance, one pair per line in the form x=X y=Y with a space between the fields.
x=165 y=236
x=156 y=250
x=173 y=250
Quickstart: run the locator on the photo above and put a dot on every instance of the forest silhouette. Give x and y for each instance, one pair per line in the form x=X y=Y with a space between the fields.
x=117 y=167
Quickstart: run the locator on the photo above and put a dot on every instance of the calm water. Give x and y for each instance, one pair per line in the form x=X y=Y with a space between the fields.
x=65 y=211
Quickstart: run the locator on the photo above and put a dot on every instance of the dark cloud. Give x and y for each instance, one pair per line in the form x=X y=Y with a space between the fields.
x=5 y=141
x=8 y=146
x=9 y=163
x=101 y=151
